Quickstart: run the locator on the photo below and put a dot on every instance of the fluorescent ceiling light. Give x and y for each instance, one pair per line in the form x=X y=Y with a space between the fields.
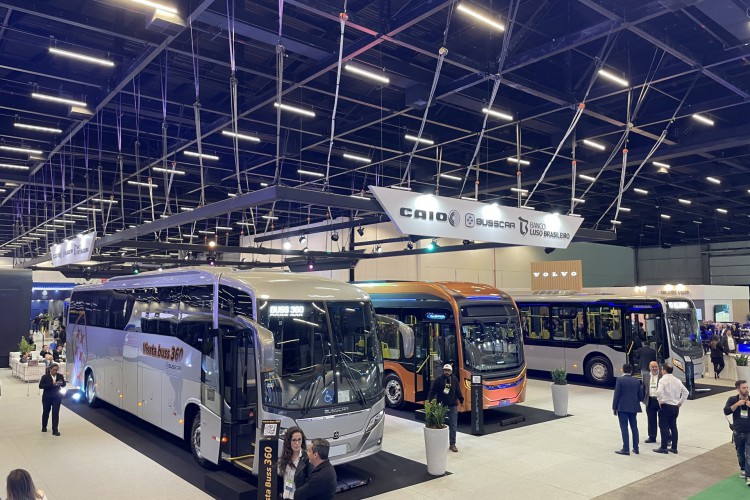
x=612 y=77
x=698 y=222
x=310 y=172
x=702 y=119
x=721 y=210
x=206 y=232
x=21 y=150
x=624 y=209
x=519 y=190
x=681 y=232
x=89 y=209
x=665 y=216
x=356 y=158
x=468 y=198
x=594 y=144
x=61 y=100
x=615 y=222
x=516 y=160
x=16 y=167
x=660 y=164
x=245 y=137
x=713 y=180
x=143 y=184
x=367 y=74
x=168 y=170
x=421 y=140
x=244 y=223
x=578 y=200
x=527 y=207
x=223 y=228
x=684 y=201
x=587 y=177
x=104 y=200
x=269 y=217
x=57 y=221
x=649 y=226
x=157 y=6
x=295 y=109
x=187 y=209
x=200 y=155
x=727 y=228
x=264 y=184
x=81 y=57
x=402 y=188
x=75 y=216
x=479 y=16
x=37 y=128
x=497 y=114
x=451 y=177
x=232 y=195
x=640 y=191
x=2 y=190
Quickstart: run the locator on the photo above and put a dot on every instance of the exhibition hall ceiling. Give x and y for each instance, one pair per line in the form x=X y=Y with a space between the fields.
x=106 y=107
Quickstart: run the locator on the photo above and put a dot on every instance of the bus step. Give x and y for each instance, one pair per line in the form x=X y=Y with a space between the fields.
x=244 y=463
x=228 y=487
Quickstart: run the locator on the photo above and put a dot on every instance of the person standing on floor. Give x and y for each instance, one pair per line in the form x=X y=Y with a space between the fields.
x=52 y=383
x=321 y=484
x=447 y=391
x=646 y=354
x=650 y=384
x=739 y=407
x=626 y=405
x=717 y=355
x=670 y=393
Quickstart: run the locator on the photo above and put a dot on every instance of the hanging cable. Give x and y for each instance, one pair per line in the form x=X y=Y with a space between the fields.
x=343 y=17
x=279 y=81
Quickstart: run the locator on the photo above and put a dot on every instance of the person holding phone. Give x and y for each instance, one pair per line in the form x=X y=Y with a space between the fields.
x=52 y=383
x=739 y=407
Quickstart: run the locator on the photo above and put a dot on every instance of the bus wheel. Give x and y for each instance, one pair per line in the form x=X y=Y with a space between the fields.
x=195 y=442
x=394 y=391
x=91 y=398
x=599 y=371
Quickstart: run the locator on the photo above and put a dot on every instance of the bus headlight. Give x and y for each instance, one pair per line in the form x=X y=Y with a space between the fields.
x=374 y=421
x=678 y=364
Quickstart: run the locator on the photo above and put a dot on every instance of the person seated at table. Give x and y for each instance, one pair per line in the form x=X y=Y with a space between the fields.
x=24 y=357
x=58 y=354
x=45 y=350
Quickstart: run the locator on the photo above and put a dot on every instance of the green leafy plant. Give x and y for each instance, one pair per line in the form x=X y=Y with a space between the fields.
x=559 y=376
x=24 y=346
x=434 y=414
x=741 y=360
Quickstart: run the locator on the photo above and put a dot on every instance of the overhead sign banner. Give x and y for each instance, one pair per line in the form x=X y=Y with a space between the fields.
x=557 y=275
x=439 y=216
x=72 y=251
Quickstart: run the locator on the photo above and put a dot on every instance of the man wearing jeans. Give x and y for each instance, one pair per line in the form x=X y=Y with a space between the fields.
x=670 y=394
x=447 y=391
x=739 y=407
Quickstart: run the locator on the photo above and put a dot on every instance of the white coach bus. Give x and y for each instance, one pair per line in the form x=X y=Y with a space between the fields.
x=595 y=334
x=207 y=354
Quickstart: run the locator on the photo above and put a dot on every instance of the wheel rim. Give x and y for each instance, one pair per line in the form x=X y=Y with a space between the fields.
x=393 y=391
x=599 y=371
x=90 y=391
x=197 y=441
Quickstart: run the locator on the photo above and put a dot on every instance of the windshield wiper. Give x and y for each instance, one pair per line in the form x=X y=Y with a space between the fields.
x=310 y=397
x=357 y=390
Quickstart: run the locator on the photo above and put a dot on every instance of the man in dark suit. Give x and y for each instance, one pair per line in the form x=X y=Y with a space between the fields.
x=650 y=384
x=646 y=354
x=626 y=405
x=321 y=484
x=52 y=383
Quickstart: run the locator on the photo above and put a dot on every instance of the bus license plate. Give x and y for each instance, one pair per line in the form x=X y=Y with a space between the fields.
x=335 y=451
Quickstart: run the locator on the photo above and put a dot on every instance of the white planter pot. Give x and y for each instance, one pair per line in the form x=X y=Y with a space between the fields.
x=560 y=399
x=743 y=373
x=436 y=447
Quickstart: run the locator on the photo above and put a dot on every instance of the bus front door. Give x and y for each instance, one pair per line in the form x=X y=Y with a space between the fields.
x=240 y=392
x=422 y=361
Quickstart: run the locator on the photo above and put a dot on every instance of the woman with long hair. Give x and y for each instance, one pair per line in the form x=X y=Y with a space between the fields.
x=20 y=486
x=717 y=355
x=293 y=463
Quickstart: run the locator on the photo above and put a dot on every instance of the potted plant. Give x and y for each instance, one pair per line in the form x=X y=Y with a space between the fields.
x=24 y=346
x=743 y=371
x=435 y=437
x=560 y=392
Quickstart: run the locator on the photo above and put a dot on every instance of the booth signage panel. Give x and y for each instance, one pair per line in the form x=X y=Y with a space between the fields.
x=268 y=454
x=557 y=275
x=439 y=216
x=76 y=250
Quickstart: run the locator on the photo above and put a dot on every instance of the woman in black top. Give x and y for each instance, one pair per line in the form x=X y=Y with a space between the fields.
x=52 y=383
x=717 y=355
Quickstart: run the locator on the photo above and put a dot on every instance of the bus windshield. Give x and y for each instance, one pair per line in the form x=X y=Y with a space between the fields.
x=682 y=324
x=491 y=344
x=326 y=353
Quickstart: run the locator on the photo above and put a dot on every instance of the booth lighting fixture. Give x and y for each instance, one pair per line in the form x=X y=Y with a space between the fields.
x=269 y=217
x=244 y=137
x=168 y=170
x=223 y=228
x=713 y=180
x=378 y=249
x=143 y=184
x=519 y=190
x=684 y=201
x=37 y=128
x=703 y=119
x=640 y=191
x=89 y=209
x=467 y=242
x=61 y=100
x=310 y=173
x=136 y=269
x=451 y=177
x=303 y=238
x=479 y=16
x=305 y=250
x=334 y=236
x=361 y=231
x=431 y=246
x=587 y=177
x=21 y=150
x=660 y=164
x=211 y=260
x=420 y=140
x=367 y=74
x=516 y=160
x=294 y=109
x=356 y=158
x=402 y=188
x=497 y=114
x=244 y=223
x=103 y=200
x=200 y=155
x=157 y=6
x=614 y=78
x=15 y=167
x=615 y=222
x=310 y=265
x=578 y=200
x=665 y=216
x=722 y=210
x=594 y=144
x=81 y=57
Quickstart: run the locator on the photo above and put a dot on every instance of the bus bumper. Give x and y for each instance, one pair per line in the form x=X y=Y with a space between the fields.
x=504 y=392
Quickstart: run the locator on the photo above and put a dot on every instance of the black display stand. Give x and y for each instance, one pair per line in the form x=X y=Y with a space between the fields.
x=477 y=408
x=268 y=456
x=690 y=377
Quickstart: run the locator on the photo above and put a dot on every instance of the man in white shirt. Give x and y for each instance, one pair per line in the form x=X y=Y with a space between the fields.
x=670 y=394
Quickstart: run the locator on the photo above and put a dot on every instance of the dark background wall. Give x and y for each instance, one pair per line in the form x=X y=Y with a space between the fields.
x=15 y=310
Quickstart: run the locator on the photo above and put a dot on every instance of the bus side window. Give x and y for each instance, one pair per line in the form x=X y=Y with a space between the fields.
x=165 y=310
x=196 y=314
x=139 y=310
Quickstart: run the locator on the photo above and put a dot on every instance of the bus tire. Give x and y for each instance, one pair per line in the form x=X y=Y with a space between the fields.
x=394 y=391
x=195 y=442
x=599 y=371
x=90 y=390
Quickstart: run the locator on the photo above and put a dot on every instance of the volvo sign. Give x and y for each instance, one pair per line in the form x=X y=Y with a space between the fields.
x=439 y=216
